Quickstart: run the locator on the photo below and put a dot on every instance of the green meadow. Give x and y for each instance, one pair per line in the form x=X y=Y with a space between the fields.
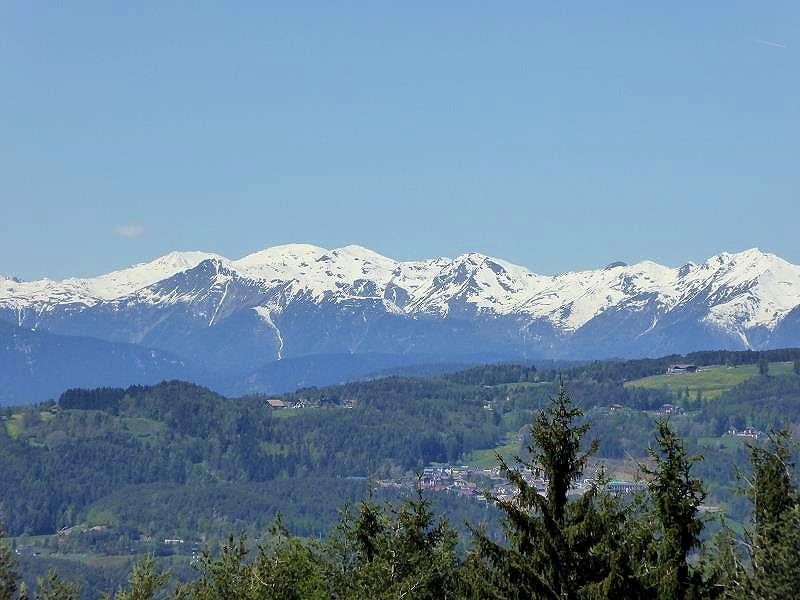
x=711 y=382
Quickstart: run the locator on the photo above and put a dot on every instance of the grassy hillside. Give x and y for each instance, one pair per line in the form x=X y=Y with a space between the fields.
x=711 y=382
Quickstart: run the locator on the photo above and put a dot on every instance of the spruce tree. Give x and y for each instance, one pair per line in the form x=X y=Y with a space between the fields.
x=399 y=552
x=676 y=498
x=223 y=576
x=286 y=568
x=775 y=534
x=145 y=581
x=725 y=571
x=557 y=548
x=52 y=587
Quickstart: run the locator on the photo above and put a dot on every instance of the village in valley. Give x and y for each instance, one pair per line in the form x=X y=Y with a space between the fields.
x=485 y=484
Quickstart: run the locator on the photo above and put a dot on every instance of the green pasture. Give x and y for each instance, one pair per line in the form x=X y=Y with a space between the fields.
x=13 y=425
x=711 y=382
x=487 y=458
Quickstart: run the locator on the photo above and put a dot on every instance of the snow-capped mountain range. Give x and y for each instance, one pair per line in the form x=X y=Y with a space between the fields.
x=232 y=316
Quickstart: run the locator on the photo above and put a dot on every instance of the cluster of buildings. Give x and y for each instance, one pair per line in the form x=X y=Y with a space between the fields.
x=278 y=403
x=475 y=482
x=749 y=432
x=679 y=369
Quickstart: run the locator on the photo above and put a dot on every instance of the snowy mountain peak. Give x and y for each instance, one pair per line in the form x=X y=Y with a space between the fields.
x=285 y=252
x=316 y=270
x=126 y=281
x=735 y=293
x=619 y=264
x=180 y=261
x=359 y=252
x=752 y=257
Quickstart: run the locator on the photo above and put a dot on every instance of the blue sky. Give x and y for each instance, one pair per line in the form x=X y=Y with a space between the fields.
x=559 y=136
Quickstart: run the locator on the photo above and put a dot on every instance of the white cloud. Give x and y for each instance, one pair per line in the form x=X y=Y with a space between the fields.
x=130 y=230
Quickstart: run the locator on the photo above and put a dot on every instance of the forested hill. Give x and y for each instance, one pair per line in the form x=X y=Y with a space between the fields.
x=116 y=470
x=61 y=459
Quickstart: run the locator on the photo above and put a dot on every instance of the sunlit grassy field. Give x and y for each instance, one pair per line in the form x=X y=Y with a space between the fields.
x=710 y=381
x=14 y=424
x=486 y=459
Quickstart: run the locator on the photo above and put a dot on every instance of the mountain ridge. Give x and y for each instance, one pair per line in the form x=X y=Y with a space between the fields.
x=231 y=317
x=570 y=299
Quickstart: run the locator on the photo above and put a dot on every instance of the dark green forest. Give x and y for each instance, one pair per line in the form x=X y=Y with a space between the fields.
x=324 y=490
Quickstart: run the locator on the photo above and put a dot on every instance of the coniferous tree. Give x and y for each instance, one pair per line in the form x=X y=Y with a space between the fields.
x=557 y=548
x=725 y=571
x=676 y=498
x=403 y=553
x=145 y=581
x=628 y=550
x=224 y=576
x=286 y=569
x=52 y=587
x=775 y=534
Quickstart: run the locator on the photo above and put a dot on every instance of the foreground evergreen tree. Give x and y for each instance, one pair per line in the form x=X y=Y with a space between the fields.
x=628 y=548
x=557 y=548
x=725 y=572
x=404 y=552
x=676 y=498
x=146 y=581
x=287 y=568
x=775 y=535
x=222 y=576
x=401 y=552
x=52 y=587
x=284 y=568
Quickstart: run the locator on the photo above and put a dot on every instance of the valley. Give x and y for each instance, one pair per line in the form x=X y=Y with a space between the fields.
x=107 y=474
